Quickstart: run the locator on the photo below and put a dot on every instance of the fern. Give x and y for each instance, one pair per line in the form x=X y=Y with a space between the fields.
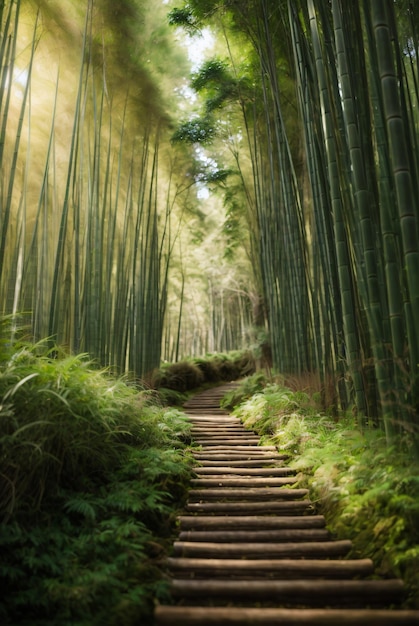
x=82 y=507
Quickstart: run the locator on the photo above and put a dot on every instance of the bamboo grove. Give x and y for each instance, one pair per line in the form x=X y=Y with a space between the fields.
x=308 y=119
x=94 y=196
x=327 y=94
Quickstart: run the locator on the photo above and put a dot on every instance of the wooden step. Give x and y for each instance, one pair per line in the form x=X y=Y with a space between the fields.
x=307 y=550
x=244 y=471
x=222 y=424
x=209 y=417
x=274 y=568
x=250 y=493
x=242 y=440
x=239 y=448
x=258 y=536
x=241 y=616
x=242 y=447
x=268 y=481
x=206 y=408
x=239 y=451
x=293 y=507
x=216 y=429
x=300 y=592
x=262 y=462
x=260 y=522
x=240 y=456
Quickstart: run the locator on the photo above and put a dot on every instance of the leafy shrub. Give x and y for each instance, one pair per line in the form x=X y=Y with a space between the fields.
x=245 y=390
x=181 y=376
x=92 y=472
x=209 y=369
x=191 y=374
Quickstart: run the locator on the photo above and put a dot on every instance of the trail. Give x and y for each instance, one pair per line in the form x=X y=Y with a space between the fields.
x=252 y=551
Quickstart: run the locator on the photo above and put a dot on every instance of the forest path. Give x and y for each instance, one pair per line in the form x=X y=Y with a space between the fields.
x=251 y=550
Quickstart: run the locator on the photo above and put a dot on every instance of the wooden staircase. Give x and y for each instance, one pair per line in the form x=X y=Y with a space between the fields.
x=251 y=550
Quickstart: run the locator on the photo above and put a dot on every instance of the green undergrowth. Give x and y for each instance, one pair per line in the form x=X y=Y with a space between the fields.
x=92 y=471
x=174 y=381
x=367 y=490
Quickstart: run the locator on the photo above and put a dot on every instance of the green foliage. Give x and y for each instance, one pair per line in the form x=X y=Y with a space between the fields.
x=198 y=130
x=246 y=389
x=185 y=18
x=368 y=491
x=92 y=471
x=273 y=406
x=180 y=376
x=216 y=81
x=193 y=373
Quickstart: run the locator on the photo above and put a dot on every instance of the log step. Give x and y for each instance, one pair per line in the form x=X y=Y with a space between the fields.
x=242 y=440
x=212 y=428
x=239 y=456
x=250 y=493
x=229 y=616
x=253 y=522
x=277 y=568
x=243 y=471
x=283 y=508
x=246 y=448
x=308 y=550
x=242 y=463
x=303 y=592
x=258 y=536
x=209 y=417
x=267 y=481
x=238 y=451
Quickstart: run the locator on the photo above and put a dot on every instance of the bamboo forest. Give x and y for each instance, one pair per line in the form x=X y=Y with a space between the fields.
x=209 y=219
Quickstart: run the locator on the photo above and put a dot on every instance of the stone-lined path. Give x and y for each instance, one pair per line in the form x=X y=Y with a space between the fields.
x=251 y=550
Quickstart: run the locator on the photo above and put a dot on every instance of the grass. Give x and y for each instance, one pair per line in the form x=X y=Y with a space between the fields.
x=92 y=471
x=368 y=491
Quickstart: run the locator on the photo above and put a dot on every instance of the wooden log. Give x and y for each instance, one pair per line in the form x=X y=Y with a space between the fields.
x=234 y=455
x=243 y=463
x=251 y=521
x=243 y=449
x=226 y=445
x=205 y=410
x=243 y=456
x=207 y=424
x=258 y=536
x=225 y=435
x=278 y=568
x=244 y=471
x=211 y=417
x=241 y=616
x=267 y=481
x=214 y=426
x=257 y=447
x=223 y=430
x=232 y=508
x=242 y=440
x=329 y=592
x=211 y=550
x=256 y=493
